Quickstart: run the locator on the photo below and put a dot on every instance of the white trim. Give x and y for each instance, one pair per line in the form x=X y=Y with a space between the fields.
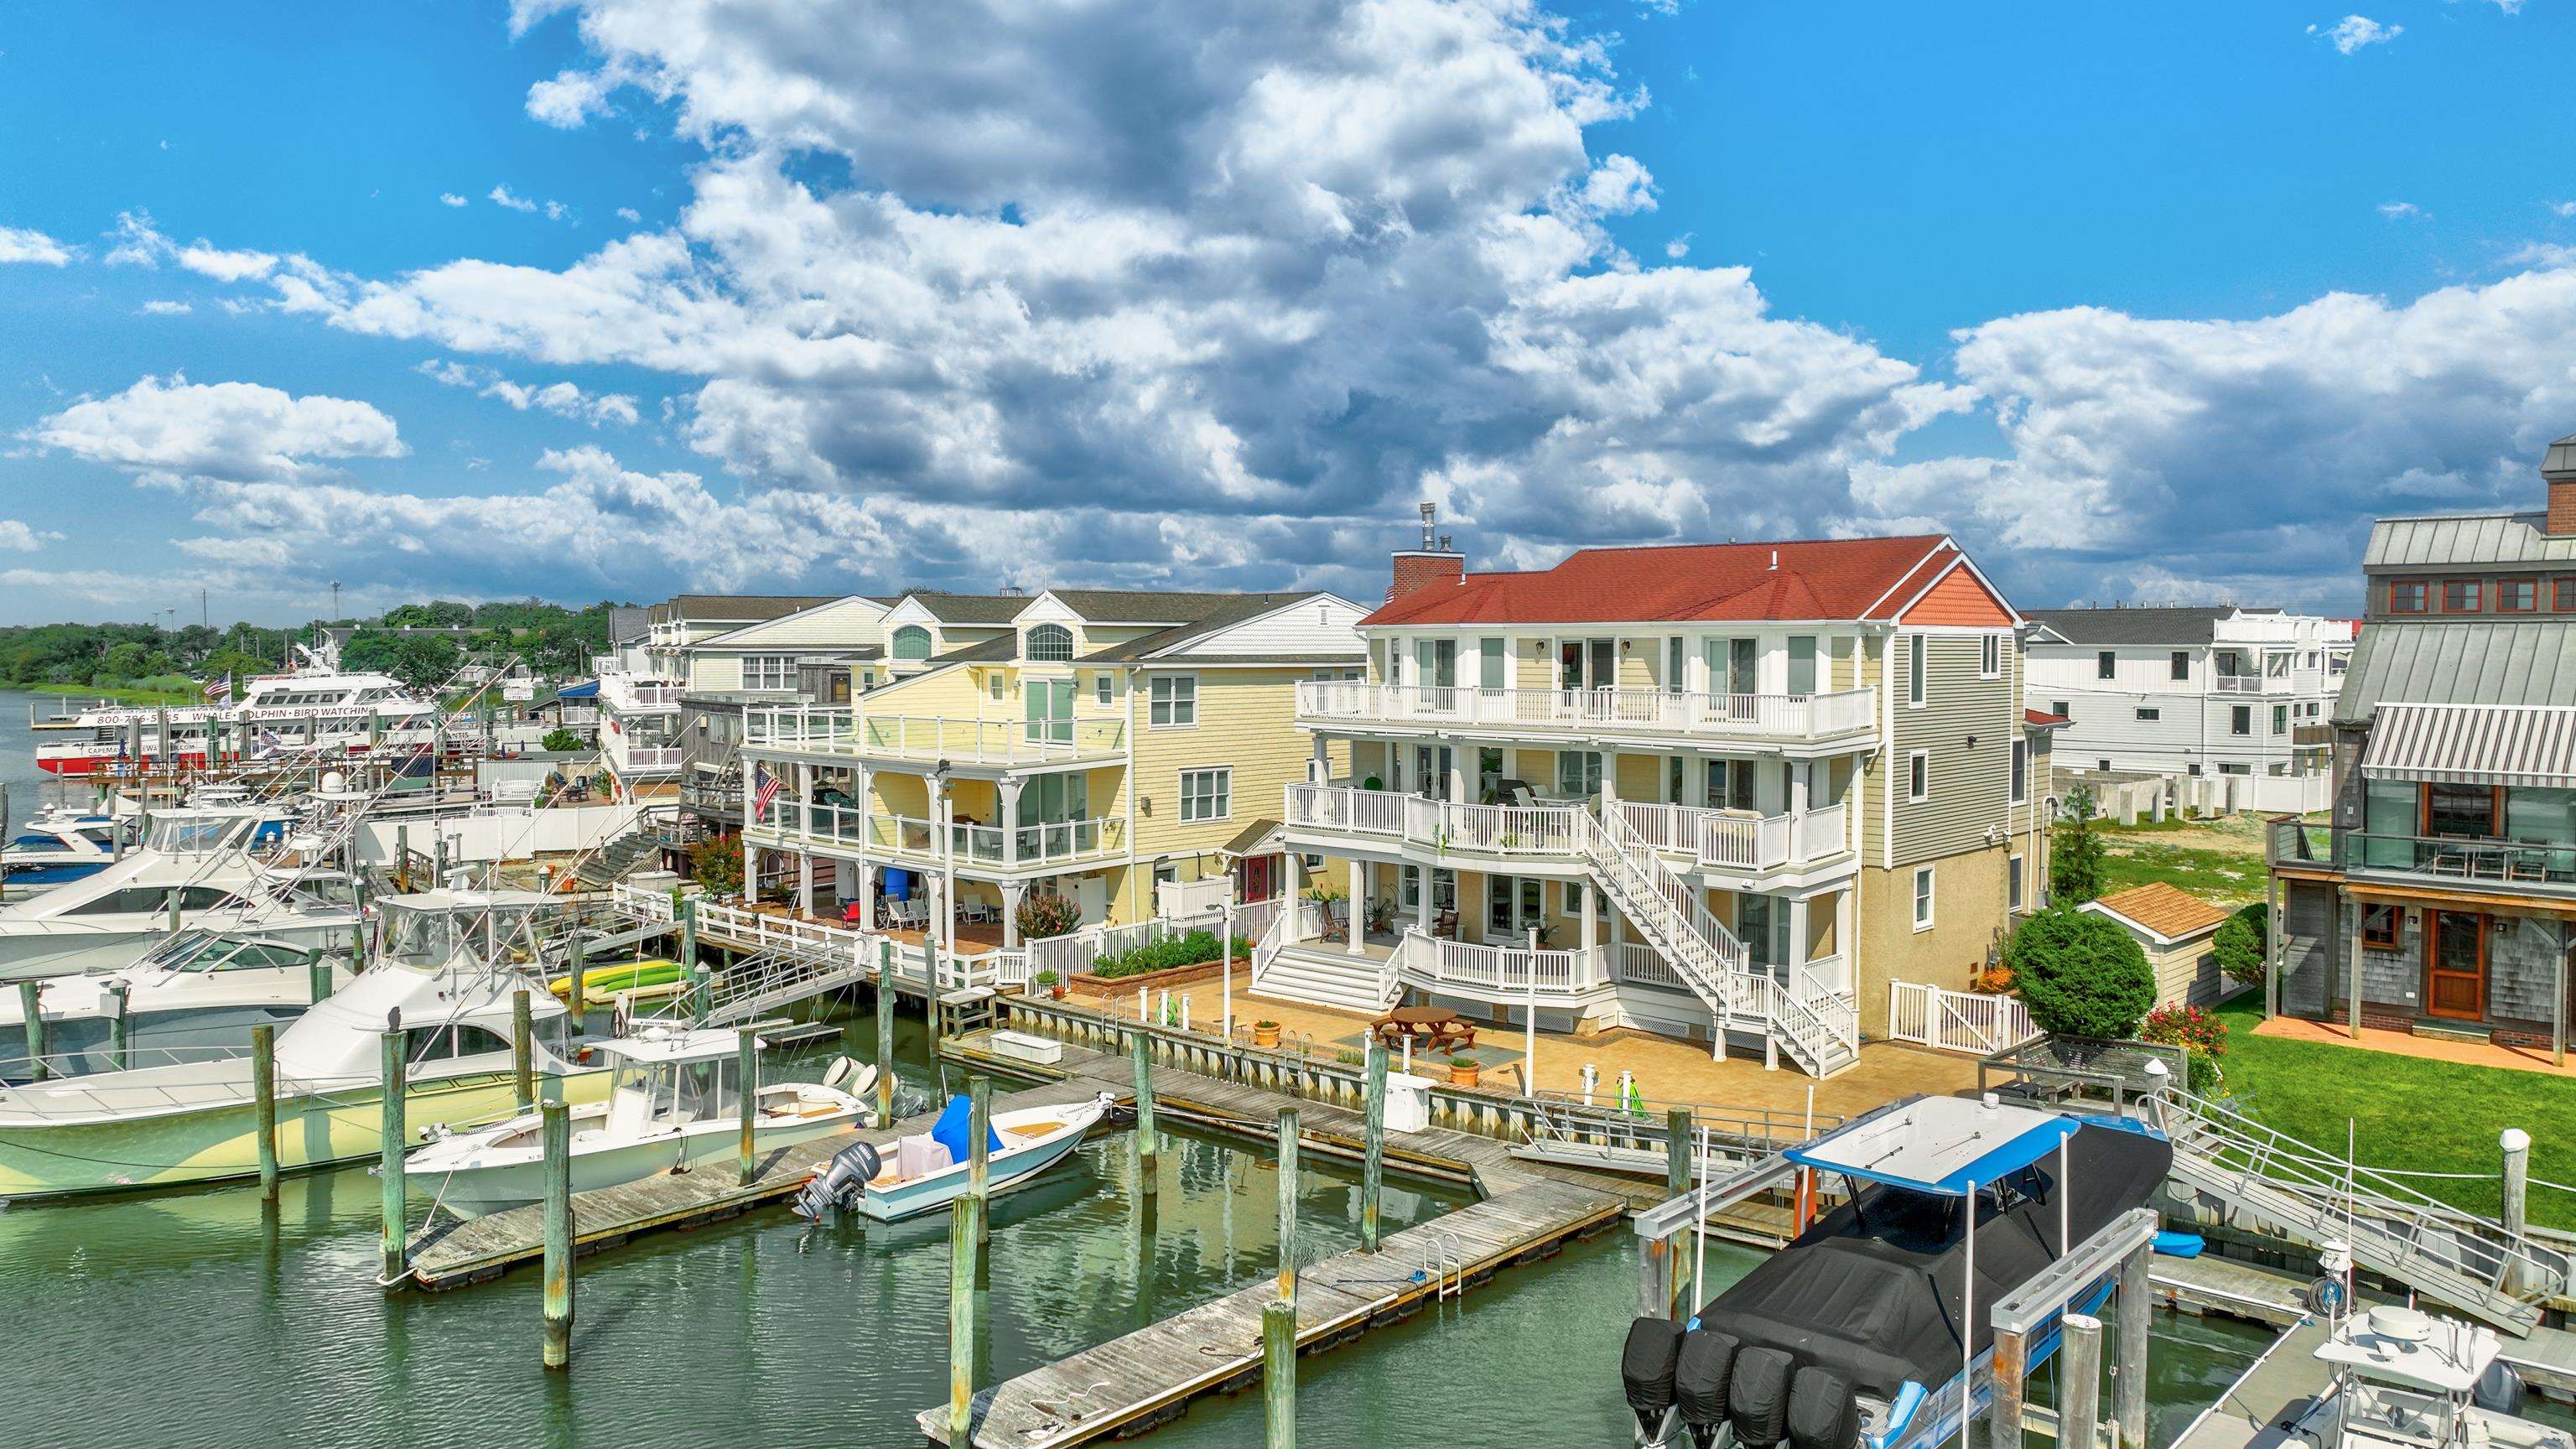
x=1918 y=669
x=1181 y=794
x=1911 y=756
x=1193 y=723
x=1871 y=608
x=1992 y=642
x=1923 y=899
x=1182 y=646
x=2144 y=929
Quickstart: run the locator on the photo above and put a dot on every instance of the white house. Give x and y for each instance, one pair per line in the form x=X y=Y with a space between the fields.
x=2185 y=691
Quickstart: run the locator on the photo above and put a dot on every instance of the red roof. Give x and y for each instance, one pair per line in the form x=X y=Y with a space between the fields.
x=2040 y=719
x=1844 y=578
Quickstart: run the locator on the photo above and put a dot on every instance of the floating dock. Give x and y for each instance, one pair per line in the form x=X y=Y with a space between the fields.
x=2276 y=1386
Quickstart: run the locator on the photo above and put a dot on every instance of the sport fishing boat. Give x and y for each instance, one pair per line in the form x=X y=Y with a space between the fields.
x=314 y=708
x=447 y=980
x=57 y=846
x=1848 y=1338
x=217 y=866
x=673 y=1102
x=2403 y=1379
x=933 y=1167
x=196 y=989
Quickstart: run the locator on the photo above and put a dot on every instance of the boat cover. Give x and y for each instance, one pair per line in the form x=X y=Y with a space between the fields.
x=1871 y=1291
x=950 y=1130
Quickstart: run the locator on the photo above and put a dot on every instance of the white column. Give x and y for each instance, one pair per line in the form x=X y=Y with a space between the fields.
x=804 y=882
x=1797 y=940
x=1847 y=946
x=1013 y=892
x=1798 y=785
x=867 y=896
x=1358 y=908
x=1592 y=931
x=943 y=927
x=1422 y=901
x=1462 y=774
x=1319 y=770
x=864 y=779
x=1609 y=779
x=1010 y=787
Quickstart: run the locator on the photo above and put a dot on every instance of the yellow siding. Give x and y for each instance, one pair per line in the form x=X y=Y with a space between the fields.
x=1246 y=723
x=1640 y=777
x=952 y=693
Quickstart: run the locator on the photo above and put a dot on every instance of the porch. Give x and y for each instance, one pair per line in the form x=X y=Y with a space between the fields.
x=1645 y=714
x=825 y=733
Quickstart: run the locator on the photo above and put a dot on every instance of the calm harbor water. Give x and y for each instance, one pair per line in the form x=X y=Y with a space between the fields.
x=198 y=1320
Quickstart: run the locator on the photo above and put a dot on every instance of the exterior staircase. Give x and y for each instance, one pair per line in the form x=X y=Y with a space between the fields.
x=619 y=858
x=2466 y=1261
x=1821 y=1036
x=1323 y=978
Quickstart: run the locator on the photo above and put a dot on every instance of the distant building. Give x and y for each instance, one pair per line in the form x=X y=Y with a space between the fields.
x=2217 y=690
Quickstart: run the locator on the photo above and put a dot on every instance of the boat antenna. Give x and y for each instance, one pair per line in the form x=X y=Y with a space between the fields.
x=2065 y=1191
x=1968 y=1321
x=1699 y=1251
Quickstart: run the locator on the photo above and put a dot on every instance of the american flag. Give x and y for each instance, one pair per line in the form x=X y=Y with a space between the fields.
x=269 y=743
x=219 y=689
x=763 y=791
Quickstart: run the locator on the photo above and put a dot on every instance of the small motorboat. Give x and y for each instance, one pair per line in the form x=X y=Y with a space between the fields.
x=59 y=846
x=674 y=1102
x=2403 y=1379
x=929 y=1169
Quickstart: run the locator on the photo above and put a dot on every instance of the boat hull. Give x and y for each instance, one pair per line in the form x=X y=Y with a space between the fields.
x=221 y=1143
x=928 y=1194
x=79 y=1045
x=474 y=1191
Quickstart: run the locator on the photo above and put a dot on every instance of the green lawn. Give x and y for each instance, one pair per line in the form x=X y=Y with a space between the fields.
x=2218 y=860
x=2419 y=1116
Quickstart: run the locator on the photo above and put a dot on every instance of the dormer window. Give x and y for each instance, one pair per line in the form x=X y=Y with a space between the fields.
x=912 y=642
x=1050 y=644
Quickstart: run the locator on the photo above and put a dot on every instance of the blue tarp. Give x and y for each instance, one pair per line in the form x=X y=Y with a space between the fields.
x=587 y=689
x=896 y=885
x=950 y=1131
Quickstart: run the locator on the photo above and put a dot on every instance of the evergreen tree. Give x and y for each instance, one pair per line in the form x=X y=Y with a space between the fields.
x=2075 y=864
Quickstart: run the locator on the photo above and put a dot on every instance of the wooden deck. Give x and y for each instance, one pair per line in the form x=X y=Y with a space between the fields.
x=2276 y=1386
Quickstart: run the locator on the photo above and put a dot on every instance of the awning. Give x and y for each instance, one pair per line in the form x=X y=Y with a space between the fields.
x=587 y=689
x=1253 y=839
x=2473 y=744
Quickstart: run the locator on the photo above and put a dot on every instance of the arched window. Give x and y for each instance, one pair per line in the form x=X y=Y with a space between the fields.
x=1051 y=644
x=912 y=642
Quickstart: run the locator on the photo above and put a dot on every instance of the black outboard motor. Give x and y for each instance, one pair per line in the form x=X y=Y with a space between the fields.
x=1757 y=1396
x=1646 y=1371
x=1823 y=1412
x=1700 y=1380
x=840 y=1181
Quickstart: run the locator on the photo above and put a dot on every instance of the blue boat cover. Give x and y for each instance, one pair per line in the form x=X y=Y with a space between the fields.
x=587 y=689
x=1938 y=1145
x=950 y=1130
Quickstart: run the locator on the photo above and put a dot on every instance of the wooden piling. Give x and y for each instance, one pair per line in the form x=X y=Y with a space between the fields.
x=979 y=1153
x=2129 y=1377
x=885 y=1033
x=1288 y=1204
x=31 y=1013
x=1278 y=1372
x=557 y=1135
x=1677 y=1152
x=389 y=1153
x=523 y=1055
x=688 y=935
x=120 y=1025
x=441 y=882
x=1148 y=1160
x=2079 y=1383
x=263 y=1094
x=317 y=975
x=746 y=1073
x=402 y=857
x=2010 y=1375
x=1372 y=1147
x=963 y=1210
x=573 y=989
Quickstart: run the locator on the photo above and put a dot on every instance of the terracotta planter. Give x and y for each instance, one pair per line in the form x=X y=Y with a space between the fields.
x=1265 y=1036
x=1464 y=1076
x=1056 y=991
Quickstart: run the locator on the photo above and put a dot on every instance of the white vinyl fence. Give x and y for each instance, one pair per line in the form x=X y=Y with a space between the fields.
x=1956 y=1021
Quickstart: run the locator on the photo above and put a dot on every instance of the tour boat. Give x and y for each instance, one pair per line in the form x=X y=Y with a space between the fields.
x=1848 y=1338
x=673 y=1103
x=447 y=981
x=314 y=708
x=57 y=846
x=2403 y=1379
x=929 y=1169
x=209 y=863
x=196 y=989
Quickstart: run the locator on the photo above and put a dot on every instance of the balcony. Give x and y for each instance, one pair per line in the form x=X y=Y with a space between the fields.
x=2297 y=681
x=925 y=739
x=1588 y=713
x=1057 y=843
x=2475 y=862
x=1740 y=840
x=1716 y=840
x=625 y=695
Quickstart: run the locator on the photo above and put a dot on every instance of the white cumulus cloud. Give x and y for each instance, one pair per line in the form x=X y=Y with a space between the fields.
x=18 y=244
x=226 y=430
x=563 y=399
x=450 y=198
x=2354 y=33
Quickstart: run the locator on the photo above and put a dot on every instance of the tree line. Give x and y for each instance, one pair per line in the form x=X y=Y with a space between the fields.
x=549 y=638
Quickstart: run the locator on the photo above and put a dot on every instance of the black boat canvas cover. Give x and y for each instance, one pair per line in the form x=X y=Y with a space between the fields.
x=1872 y=1290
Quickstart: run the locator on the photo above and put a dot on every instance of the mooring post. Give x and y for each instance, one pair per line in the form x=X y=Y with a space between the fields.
x=317 y=975
x=1677 y=1152
x=1372 y=1145
x=2129 y=1378
x=962 y=1212
x=1147 y=1160
x=120 y=1025
x=30 y=1012
x=556 y=1133
x=2010 y=1374
x=439 y=882
x=702 y=990
x=573 y=988
x=402 y=857
x=2079 y=1383
x=263 y=1094
x=885 y=1032
x=688 y=934
x=2517 y=1191
x=523 y=1055
x=1657 y=1280
x=746 y=1073
x=979 y=1153
x=1278 y=1372
x=1288 y=1204
x=390 y=1145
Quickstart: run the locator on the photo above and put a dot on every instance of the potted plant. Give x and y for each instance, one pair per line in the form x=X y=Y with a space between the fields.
x=1463 y=1071
x=1048 y=985
x=1265 y=1033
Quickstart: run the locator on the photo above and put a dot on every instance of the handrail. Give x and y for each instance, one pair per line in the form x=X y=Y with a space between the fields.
x=838 y=729
x=1790 y=715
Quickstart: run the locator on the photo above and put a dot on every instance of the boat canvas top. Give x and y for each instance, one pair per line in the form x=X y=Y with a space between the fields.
x=657 y=1046
x=1939 y=1145
x=2417 y=1350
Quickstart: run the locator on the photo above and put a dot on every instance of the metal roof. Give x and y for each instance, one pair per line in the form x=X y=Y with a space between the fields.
x=2526 y=662
x=2456 y=744
x=2464 y=540
x=2191 y=624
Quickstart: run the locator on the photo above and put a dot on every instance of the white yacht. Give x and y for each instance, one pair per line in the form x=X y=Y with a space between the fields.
x=57 y=846
x=313 y=708
x=212 y=863
x=674 y=1102
x=2403 y=1379
x=196 y=989
x=446 y=981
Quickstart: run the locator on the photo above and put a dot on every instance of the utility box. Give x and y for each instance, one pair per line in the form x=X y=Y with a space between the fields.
x=1408 y=1102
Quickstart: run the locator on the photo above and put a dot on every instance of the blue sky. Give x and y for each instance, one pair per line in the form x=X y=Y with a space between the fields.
x=2141 y=301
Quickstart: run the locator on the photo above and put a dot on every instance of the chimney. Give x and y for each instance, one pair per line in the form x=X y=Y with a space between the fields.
x=2558 y=470
x=1433 y=564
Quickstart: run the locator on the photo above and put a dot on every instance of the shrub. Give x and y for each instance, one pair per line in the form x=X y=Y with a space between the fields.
x=560 y=741
x=2075 y=864
x=1041 y=916
x=1163 y=955
x=718 y=865
x=1042 y=978
x=2188 y=1027
x=2241 y=941
x=2080 y=974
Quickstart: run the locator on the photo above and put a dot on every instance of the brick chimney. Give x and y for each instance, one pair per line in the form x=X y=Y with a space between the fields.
x=2558 y=470
x=1434 y=564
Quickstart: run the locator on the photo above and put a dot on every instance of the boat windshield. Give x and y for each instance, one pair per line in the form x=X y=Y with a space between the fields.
x=175 y=952
x=231 y=954
x=195 y=834
x=427 y=938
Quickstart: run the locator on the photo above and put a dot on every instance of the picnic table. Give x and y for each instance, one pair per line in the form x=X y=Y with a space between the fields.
x=1432 y=1028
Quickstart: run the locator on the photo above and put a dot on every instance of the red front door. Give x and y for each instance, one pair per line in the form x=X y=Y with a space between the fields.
x=1257 y=884
x=2455 y=975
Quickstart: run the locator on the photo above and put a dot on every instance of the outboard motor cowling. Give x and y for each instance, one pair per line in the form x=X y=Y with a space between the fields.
x=1823 y=1412
x=1646 y=1372
x=840 y=1181
x=1757 y=1396
x=1700 y=1380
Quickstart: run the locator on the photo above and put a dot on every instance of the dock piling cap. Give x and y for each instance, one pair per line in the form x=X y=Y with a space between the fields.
x=2514 y=1139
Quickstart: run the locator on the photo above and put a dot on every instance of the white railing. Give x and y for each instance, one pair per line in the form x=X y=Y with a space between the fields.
x=1671 y=828
x=1438 y=824
x=1645 y=965
x=1433 y=961
x=838 y=730
x=1799 y=716
x=647 y=757
x=1956 y=1021
x=991 y=845
x=825 y=822
x=1823 y=976
x=1078 y=950
x=813 y=942
x=1738 y=839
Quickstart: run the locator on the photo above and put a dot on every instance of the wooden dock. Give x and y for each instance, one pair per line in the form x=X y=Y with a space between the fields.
x=2249 y=1415
x=1132 y=1383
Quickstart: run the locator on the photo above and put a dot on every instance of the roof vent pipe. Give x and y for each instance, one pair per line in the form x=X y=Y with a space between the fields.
x=1775 y=560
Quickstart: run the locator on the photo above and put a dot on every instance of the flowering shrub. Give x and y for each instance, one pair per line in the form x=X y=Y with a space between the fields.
x=2197 y=1031
x=1995 y=980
